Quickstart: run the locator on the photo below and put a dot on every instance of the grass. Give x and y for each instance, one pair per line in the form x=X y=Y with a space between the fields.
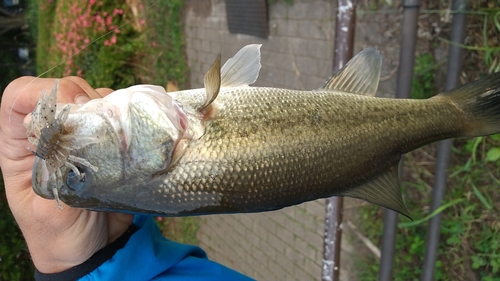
x=14 y=258
x=181 y=229
x=469 y=243
x=166 y=45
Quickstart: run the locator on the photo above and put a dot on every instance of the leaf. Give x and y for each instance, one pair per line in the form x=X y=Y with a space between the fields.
x=481 y=198
x=430 y=216
x=493 y=154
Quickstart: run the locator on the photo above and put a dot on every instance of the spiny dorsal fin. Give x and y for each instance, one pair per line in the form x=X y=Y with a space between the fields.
x=212 y=83
x=384 y=191
x=243 y=68
x=360 y=75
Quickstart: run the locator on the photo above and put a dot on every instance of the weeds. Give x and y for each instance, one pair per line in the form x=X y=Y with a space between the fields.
x=423 y=77
x=182 y=229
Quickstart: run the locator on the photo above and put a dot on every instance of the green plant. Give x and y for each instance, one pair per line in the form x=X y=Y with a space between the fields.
x=423 y=77
x=165 y=50
x=182 y=230
x=15 y=262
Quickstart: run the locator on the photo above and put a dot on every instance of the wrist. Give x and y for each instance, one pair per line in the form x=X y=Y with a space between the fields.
x=92 y=263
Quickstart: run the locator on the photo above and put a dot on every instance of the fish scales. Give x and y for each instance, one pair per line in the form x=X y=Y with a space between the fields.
x=331 y=144
x=230 y=148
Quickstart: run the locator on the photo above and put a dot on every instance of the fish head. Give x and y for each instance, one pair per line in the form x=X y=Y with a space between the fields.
x=133 y=135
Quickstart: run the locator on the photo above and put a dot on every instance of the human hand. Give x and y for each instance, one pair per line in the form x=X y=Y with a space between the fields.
x=57 y=239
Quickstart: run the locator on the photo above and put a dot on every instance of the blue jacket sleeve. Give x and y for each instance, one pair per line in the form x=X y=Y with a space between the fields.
x=147 y=255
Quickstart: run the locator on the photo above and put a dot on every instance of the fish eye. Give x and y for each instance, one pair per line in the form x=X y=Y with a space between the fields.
x=74 y=181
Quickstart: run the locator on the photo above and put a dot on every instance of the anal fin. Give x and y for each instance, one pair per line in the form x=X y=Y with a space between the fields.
x=384 y=191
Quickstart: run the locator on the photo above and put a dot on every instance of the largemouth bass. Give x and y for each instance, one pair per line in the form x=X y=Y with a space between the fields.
x=231 y=148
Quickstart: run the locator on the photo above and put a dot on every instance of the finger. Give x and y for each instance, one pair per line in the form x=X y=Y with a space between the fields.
x=104 y=91
x=82 y=83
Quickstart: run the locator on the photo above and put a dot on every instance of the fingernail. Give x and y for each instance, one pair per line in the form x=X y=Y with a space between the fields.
x=81 y=99
x=27 y=120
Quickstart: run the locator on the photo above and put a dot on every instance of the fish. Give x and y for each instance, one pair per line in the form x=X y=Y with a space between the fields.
x=233 y=148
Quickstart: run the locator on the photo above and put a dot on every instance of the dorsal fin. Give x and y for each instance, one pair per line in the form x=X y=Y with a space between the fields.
x=212 y=81
x=383 y=190
x=243 y=68
x=359 y=76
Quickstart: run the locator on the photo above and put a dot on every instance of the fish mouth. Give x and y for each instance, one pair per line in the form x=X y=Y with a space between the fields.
x=40 y=180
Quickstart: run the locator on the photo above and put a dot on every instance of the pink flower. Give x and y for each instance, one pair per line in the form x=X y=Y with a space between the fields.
x=109 y=20
x=117 y=12
x=92 y=2
x=79 y=73
x=86 y=41
x=142 y=21
x=113 y=39
x=106 y=43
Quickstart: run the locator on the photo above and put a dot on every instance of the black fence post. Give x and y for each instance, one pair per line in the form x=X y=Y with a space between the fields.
x=454 y=67
x=403 y=90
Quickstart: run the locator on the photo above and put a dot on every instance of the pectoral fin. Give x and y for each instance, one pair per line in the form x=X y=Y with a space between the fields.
x=384 y=191
x=212 y=81
x=359 y=76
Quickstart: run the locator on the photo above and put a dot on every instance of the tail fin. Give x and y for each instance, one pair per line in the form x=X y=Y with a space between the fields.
x=480 y=102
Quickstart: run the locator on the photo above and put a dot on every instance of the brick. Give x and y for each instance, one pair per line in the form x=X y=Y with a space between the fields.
x=269 y=225
x=285 y=235
x=300 y=274
x=267 y=249
x=297 y=229
x=213 y=23
x=277 y=217
x=306 y=220
x=261 y=257
x=274 y=44
x=285 y=263
x=321 y=10
x=315 y=240
x=317 y=207
x=278 y=11
x=277 y=243
x=314 y=82
x=311 y=30
x=298 y=11
x=289 y=211
x=313 y=268
x=292 y=81
x=290 y=28
x=278 y=271
x=295 y=256
x=309 y=66
x=306 y=250
x=259 y=230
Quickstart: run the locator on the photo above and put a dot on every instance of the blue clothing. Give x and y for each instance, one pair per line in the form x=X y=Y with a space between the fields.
x=147 y=255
